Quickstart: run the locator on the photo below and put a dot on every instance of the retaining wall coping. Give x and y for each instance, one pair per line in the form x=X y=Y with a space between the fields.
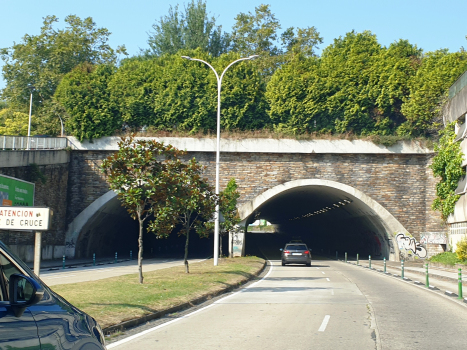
x=260 y=145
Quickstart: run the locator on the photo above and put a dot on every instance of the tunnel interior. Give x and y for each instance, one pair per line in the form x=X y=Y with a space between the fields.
x=111 y=230
x=327 y=219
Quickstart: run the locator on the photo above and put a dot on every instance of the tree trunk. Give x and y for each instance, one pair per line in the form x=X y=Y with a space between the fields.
x=187 y=270
x=140 y=251
x=220 y=246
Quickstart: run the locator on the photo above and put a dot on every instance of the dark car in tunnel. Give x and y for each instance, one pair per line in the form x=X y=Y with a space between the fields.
x=296 y=253
x=33 y=317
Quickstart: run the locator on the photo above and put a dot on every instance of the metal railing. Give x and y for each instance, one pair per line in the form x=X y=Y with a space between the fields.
x=32 y=143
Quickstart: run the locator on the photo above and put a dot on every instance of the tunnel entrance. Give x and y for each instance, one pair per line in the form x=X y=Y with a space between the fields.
x=328 y=216
x=105 y=228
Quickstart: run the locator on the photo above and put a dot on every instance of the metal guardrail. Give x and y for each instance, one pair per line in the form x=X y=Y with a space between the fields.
x=32 y=143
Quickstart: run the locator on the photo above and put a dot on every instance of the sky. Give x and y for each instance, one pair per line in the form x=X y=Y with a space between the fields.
x=429 y=24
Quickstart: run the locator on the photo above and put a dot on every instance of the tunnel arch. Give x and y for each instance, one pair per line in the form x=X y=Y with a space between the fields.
x=363 y=208
x=105 y=227
x=102 y=216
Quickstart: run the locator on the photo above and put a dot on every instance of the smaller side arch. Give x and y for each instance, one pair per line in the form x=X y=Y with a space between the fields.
x=75 y=227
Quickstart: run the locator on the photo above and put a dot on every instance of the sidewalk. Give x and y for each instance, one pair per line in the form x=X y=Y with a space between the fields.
x=441 y=281
x=418 y=267
x=49 y=265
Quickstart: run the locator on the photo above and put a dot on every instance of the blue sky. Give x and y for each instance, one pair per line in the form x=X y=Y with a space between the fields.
x=429 y=24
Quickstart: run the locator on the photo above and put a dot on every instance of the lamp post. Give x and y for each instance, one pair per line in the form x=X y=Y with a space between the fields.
x=31 y=89
x=219 y=83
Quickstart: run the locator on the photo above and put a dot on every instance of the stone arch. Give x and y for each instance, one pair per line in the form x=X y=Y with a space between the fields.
x=392 y=227
x=78 y=224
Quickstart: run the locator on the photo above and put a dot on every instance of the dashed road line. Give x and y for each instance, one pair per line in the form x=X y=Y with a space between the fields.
x=323 y=326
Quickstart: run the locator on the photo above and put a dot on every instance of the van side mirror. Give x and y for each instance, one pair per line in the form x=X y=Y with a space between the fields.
x=23 y=292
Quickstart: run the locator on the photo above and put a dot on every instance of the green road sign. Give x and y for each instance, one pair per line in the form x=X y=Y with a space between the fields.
x=15 y=192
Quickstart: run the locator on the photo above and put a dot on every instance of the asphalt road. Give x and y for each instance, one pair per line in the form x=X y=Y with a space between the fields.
x=331 y=305
x=94 y=273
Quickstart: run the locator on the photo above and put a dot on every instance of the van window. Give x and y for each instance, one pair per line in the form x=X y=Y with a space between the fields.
x=7 y=269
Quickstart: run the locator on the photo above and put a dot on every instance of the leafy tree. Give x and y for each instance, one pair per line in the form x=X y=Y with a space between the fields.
x=137 y=172
x=85 y=96
x=189 y=30
x=192 y=203
x=42 y=60
x=228 y=207
x=447 y=167
x=428 y=90
x=15 y=123
x=256 y=34
x=389 y=83
x=302 y=41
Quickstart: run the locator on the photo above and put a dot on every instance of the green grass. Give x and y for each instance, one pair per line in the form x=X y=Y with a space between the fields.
x=447 y=258
x=117 y=299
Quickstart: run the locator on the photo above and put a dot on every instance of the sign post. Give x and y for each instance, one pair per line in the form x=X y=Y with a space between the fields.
x=37 y=253
x=27 y=219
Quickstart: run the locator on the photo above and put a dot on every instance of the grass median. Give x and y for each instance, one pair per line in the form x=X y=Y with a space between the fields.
x=117 y=299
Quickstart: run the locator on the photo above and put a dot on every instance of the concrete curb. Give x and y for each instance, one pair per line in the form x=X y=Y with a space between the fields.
x=430 y=273
x=418 y=283
x=140 y=320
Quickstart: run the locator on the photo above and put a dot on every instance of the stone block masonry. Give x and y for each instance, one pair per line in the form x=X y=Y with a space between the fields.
x=398 y=178
x=402 y=183
x=52 y=193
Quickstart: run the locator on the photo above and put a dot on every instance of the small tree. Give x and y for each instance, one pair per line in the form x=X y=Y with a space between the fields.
x=191 y=203
x=461 y=249
x=228 y=207
x=138 y=176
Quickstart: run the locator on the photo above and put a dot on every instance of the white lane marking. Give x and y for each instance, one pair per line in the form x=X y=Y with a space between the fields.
x=328 y=279
x=324 y=324
x=323 y=272
x=123 y=341
x=317 y=268
x=332 y=291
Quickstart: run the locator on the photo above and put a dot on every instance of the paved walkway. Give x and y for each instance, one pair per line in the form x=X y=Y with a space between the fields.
x=418 y=267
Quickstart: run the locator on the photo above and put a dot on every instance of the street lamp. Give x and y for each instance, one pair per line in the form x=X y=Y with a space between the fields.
x=31 y=89
x=219 y=83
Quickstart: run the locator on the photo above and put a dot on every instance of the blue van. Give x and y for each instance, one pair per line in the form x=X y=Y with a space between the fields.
x=33 y=317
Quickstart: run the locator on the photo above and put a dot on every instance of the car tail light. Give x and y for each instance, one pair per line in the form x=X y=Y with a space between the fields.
x=287 y=251
x=307 y=252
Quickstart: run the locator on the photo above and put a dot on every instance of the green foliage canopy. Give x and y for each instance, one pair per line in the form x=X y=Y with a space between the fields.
x=42 y=60
x=447 y=167
x=428 y=91
x=15 y=123
x=85 y=95
x=170 y=93
x=228 y=206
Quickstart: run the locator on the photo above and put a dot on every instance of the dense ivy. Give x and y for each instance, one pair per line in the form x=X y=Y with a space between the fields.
x=428 y=89
x=171 y=93
x=447 y=167
x=85 y=95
